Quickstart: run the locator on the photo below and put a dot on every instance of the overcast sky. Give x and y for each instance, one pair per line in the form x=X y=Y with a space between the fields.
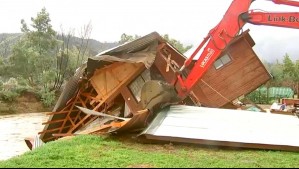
x=185 y=20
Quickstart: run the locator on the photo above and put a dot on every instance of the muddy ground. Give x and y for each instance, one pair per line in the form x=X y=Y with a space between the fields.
x=27 y=103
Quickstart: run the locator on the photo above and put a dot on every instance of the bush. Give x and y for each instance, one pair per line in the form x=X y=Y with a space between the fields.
x=8 y=91
x=48 y=98
x=9 y=96
x=1 y=85
x=22 y=82
x=11 y=90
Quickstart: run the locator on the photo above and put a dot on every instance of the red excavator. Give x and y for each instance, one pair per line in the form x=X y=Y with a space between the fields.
x=217 y=40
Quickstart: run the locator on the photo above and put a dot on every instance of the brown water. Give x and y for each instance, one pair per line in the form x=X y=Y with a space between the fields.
x=13 y=130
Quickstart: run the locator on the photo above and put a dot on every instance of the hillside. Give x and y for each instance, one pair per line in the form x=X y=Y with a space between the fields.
x=94 y=45
x=7 y=40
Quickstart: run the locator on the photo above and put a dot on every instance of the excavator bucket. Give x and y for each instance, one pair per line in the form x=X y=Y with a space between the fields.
x=157 y=94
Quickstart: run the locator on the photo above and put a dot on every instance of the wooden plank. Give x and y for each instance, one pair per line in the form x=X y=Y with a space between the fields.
x=90 y=121
x=160 y=63
x=129 y=99
x=290 y=101
x=52 y=130
x=62 y=112
x=53 y=121
x=95 y=129
x=105 y=81
x=241 y=91
x=219 y=101
x=87 y=95
x=114 y=92
x=118 y=124
x=231 y=69
x=236 y=81
x=125 y=82
x=79 y=113
x=79 y=123
x=70 y=120
x=82 y=102
x=72 y=107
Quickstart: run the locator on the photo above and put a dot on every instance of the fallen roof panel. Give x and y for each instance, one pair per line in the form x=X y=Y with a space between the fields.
x=223 y=127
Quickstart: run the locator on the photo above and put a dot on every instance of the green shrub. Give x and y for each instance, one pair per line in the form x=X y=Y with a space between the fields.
x=1 y=85
x=8 y=91
x=22 y=82
x=11 y=90
x=47 y=97
x=9 y=96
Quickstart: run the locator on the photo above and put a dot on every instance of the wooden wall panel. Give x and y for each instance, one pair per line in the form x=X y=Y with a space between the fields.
x=106 y=80
x=244 y=74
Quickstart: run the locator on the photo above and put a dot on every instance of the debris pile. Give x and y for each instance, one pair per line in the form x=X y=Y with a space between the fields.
x=107 y=94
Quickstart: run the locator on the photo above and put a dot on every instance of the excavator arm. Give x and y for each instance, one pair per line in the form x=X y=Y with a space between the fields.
x=219 y=38
x=286 y=2
x=288 y=20
x=155 y=94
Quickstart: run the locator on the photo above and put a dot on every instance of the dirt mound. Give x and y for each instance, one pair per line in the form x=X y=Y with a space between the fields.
x=28 y=97
x=26 y=103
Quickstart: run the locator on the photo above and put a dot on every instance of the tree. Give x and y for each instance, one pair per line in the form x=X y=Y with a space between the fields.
x=42 y=36
x=288 y=66
x=34 y=53
x=177 y=44
x=4 y=46
x=2 y=65
x=289 y=72
x=62 y=57
x=127 y=38
x=82 y=48
x=23 y=61
x=296 y=77
x=276 y=71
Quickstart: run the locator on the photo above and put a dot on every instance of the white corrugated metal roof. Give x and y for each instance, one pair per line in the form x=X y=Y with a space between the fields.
x=224 y=125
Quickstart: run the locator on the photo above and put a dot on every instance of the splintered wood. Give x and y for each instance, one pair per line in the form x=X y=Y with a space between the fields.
x=101 y=93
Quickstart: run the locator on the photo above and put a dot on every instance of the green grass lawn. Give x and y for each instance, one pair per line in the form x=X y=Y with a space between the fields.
x=94 y=151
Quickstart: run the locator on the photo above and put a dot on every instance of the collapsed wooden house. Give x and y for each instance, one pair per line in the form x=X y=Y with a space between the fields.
x=111 y=82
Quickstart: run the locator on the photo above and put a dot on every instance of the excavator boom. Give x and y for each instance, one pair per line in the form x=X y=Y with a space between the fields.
x=286 y=2
x=288 y=20
x=217 y=40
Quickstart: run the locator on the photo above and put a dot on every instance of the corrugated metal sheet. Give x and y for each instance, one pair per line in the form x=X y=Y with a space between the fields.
x=133 y=46
x=140 y=50
x=70 y=89
x=223 y=127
